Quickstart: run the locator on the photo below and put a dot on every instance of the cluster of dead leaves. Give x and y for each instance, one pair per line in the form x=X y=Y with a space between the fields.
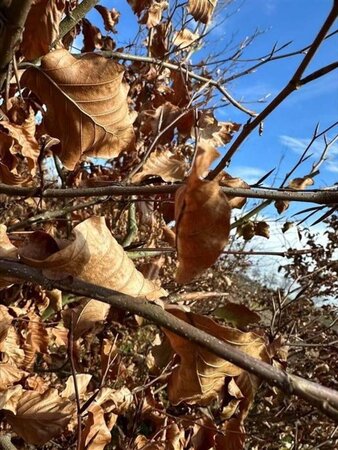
x=142 y=118
x=48 y=410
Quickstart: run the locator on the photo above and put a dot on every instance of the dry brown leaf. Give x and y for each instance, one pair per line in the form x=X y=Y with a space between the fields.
x=23 y=137
x=82 y=381
x=246 y=230
x=10 y=398
x=159 y=43
x=88 y=317
x=44 y=16
x=165 y=164
x=202 y=10
x=5 y=318
x=36 y=341
x=92 y=37
x=95 y=257
x=262 y=229
x=95 y=435
x=11 y=348
x=184 y=38
x=152 y=16
x=233 y=437
x=286 y=226
x=117 y=401
x=110 y=17
x=215 y=132
x=200 y=374
x=139 y=6
x=39 y=417
x=202 y=215
x=281 y=205
x=298 y=184
x=87 y=107
x=10 y=374
x=301 y=183
x=238 y=315
x=166 y=117
x=228 y=181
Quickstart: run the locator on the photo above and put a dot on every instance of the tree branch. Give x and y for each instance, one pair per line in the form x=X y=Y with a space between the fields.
x=325 y=399
x=292 y=85
x=72 y=19
x=12 y=21
x=325 y=196
x=185 y=71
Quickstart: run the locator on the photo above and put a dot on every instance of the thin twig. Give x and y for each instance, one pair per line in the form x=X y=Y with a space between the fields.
x=76 y=388
x=73 y=18
x=179 y=68
x=15 y=15
x=292 y=85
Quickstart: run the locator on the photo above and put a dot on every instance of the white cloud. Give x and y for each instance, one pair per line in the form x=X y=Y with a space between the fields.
x=248 y=173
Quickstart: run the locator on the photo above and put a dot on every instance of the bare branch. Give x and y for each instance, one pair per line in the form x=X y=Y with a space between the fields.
x=183 y=69
x=326 y=197
x=72 y=19
x=325 y=399
x=12 y=21
x=292 y=85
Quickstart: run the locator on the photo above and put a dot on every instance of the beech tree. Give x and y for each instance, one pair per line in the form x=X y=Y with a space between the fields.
x=102 y=263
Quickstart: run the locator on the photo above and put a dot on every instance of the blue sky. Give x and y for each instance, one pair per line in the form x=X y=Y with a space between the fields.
x=289 y=128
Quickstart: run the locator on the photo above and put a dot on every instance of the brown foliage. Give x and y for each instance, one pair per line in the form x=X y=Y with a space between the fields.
x=89 y=94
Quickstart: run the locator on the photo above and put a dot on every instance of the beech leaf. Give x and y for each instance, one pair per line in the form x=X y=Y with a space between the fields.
x=86 y=101
x=165 y=164
x=10 y=374
x=185 y=38
x=96 y=257
x=96 y=435
x=39 y=417
x=202 y=10
x=45 y=16
x=200 y=374
x=239 y=315
x=110 y=17
x=202 y=215
x=228 y=181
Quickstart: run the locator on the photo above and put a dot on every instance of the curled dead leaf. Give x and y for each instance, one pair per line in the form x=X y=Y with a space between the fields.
x=184 y=38
x=301 y=183
x=202 y=10
x=96 y=257
x=37 y=418
x=228 y=181
x=87 y=107
x=96 y=434
x=200 y=375
x=45 y=16
x=262 y=229
x=215 y=132
x=202 y=215
x=110 y=17
x=281 y=205
x=163 y=163
x=153 y=14
x=10 y=374
x=238 y=315
x=86 y=318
